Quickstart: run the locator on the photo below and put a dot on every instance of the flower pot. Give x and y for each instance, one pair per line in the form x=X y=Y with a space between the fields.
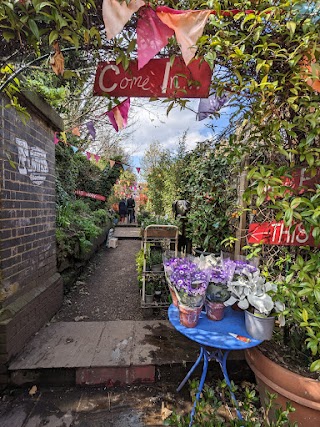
x=173 y=296
x=148 y=299
x=189 y=316
x=302 y=392
x=214 y=310
x=260 y=328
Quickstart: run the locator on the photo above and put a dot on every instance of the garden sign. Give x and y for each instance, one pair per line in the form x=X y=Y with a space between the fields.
x=159 y=78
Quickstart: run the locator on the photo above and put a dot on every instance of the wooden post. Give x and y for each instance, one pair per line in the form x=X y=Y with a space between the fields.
x=242 y=204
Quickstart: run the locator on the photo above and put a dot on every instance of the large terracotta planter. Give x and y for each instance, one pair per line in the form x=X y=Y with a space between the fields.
x=302 y=392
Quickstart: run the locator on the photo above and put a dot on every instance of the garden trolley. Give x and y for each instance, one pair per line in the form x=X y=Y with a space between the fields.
x=157 y=239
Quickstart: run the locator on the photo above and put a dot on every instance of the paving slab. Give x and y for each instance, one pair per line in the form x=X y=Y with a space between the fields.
x=113 y=344
x=61 y=345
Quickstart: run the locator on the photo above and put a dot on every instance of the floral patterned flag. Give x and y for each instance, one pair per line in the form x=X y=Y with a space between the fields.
x=91 y=129
x=210 y=105
x=188 y=26
x=152 y=36
x=118 y=116
x=116 y=15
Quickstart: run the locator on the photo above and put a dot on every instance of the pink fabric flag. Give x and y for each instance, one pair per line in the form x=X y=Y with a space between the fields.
x=116 y=15
x=55 y=138
x=88 y=155
x=118 y=116
x=138 y=170
x=112 y=163
x=152 y=36
x=188 y=26
x=97 y=157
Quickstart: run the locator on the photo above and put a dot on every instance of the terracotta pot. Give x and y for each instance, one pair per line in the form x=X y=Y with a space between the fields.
x=302 y=392
x=214 y=310
x=189 y=316
x=173 y=296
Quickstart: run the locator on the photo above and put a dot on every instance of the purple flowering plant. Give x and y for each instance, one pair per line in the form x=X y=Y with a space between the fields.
x=189 y=281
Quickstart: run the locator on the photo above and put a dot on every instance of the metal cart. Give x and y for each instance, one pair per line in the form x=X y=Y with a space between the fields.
x=161 y=238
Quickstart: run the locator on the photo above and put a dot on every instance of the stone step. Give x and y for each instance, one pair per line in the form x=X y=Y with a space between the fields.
x=102 y=353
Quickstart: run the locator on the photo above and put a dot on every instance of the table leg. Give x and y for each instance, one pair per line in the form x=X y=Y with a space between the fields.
x=221 y=358
x=201 y=384
x=192 y=369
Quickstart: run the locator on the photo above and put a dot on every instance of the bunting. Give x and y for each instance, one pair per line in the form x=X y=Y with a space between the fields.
x=188 y=26
x=138 y=170
x=152 y=36
x=91 y=129
x=88 y=154
x=112 y=163
x=55 y=138
x=210 y=105
x=116 y=15
x=118 y=115
x=75 y=131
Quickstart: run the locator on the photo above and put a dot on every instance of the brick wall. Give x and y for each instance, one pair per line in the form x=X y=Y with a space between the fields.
x=30 y=287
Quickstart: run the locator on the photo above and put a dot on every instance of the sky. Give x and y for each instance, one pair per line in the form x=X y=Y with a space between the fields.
x=152 y=124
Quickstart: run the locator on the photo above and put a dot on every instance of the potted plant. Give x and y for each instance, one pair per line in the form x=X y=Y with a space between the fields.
x=189 y=283
x=149 y=295
x=156 y=259
x=252 y=293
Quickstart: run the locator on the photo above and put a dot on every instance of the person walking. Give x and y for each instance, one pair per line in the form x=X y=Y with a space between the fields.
x=130 y=207
x=122 y=210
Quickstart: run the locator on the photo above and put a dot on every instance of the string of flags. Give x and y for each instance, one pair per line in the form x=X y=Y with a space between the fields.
x=155 y=27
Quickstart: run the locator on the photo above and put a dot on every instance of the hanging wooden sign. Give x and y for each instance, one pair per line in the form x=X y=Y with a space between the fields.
x=276 y=233
x=91 y=195
x=159 y=78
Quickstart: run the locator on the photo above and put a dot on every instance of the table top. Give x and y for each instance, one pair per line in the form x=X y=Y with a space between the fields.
x=213 y=333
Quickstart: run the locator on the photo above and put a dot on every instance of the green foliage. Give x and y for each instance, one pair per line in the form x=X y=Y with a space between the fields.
x=214 y=408
x=209 y=184
x=77 y=225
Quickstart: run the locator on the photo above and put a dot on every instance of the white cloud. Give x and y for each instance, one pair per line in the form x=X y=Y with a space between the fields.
x=152 y=124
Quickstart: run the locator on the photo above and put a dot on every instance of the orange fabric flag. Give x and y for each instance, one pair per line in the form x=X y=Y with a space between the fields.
x=188 y=26
x=75 y=131
x=116 y=15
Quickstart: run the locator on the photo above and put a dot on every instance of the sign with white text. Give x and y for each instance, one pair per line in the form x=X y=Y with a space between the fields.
x=276 y=233
x=159 y=78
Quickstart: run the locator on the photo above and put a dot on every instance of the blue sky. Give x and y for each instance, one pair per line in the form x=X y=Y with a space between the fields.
x=152 y=124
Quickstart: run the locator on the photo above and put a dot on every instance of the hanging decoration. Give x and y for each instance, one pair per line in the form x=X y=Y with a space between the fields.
x=159 y=78
x=116 y=15
x=112 y=163
x=75 y=131
x=118 y=116
x=138 y=170
x=210 y=105
x=55 y=138
x=188 y=26
x=91 y=129
x=152 y=36
x=57 y=60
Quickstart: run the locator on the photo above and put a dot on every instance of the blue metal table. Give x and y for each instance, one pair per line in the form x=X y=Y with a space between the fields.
x=214 y=334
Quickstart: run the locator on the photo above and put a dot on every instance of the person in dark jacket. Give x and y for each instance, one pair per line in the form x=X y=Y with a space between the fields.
x=122 y=210
x=130 y=208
